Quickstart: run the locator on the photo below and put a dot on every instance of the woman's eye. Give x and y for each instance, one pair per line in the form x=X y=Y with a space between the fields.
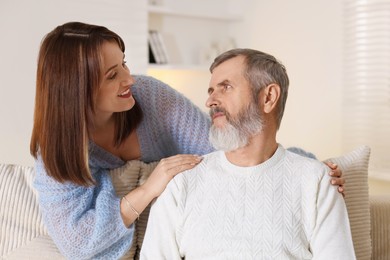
x=112 y=76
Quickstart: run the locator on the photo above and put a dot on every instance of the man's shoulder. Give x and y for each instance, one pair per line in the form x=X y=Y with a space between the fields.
x=200 y=169
x=307 y=165
x=297 y=158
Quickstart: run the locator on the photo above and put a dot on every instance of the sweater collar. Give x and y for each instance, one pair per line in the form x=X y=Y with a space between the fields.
x=271 y=162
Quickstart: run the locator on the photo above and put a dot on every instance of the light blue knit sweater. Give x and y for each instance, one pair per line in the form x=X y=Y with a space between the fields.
x=85 y=222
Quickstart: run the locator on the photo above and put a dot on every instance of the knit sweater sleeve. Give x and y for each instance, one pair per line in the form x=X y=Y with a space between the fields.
x=84 y=222
x=331 y=237
x=172 y=124
x=161 y=237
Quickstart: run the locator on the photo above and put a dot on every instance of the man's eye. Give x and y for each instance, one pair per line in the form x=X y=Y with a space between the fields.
x=227 y=87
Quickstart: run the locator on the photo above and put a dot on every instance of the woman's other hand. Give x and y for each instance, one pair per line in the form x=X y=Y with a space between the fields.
x=336 y=173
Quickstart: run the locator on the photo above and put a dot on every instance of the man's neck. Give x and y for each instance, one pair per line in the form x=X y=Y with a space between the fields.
x=259 y=149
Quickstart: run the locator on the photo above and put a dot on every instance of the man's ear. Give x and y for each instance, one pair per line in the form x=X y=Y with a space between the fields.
x=271 y=95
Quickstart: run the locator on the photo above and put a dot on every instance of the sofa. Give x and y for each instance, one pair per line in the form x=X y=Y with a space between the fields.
x=24 y=236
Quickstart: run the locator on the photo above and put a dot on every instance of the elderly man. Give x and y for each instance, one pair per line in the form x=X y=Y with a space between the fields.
x=251 y=199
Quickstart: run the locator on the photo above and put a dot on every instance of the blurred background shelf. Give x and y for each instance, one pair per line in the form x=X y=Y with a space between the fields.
x=194 y=32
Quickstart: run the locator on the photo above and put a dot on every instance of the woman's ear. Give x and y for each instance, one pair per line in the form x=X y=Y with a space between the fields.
x=271 y=95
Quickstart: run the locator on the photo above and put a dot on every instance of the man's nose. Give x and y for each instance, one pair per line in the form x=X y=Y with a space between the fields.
x=212 y=100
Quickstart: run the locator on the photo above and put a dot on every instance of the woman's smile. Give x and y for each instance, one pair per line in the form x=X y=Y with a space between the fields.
x=125 y=94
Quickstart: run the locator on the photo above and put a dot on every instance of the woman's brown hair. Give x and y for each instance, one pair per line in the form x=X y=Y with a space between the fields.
x=68 y=79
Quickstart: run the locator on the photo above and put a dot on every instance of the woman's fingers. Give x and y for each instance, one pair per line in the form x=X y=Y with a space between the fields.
x=181 y=168
x=337 y=181
x=331 y=165
x=337 y=178
x=335 y=171
x=181 y=158
x=179 y=163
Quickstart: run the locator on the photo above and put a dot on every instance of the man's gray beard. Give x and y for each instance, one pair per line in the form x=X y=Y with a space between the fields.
x=237 y=131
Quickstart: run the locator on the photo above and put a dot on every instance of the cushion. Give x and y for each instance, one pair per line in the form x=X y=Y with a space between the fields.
x=354 y=166
x=22 y=232
x=125 y=179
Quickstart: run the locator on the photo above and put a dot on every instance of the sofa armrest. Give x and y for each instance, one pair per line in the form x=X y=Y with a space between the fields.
x=380 y=226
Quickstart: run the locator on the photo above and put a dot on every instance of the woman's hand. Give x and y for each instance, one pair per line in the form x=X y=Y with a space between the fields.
x=167 y=169
x=336 y=176
x=138 y=199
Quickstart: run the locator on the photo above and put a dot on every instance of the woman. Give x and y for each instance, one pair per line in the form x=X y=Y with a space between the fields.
x=91 y=115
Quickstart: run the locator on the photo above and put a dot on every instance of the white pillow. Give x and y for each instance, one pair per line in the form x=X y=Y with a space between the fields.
x=125 y=179
x=354 y=166
x=22 y=233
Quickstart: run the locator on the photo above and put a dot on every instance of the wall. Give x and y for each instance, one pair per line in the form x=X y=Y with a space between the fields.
x=23 y=24
x=378 y=186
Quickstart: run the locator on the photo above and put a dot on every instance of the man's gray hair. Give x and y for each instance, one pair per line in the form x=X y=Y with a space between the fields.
x=261 y=70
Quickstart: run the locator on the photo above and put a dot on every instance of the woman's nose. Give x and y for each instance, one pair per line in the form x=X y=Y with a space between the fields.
x=128 y=79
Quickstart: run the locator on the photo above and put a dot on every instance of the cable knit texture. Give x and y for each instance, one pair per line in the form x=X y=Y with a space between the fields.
x=283 y=208
x=85 y=222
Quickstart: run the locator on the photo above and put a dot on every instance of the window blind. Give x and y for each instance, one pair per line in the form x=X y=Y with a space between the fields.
x=366 y=95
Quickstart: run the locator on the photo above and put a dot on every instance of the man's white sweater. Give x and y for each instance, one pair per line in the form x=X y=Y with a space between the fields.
x=284 y=208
